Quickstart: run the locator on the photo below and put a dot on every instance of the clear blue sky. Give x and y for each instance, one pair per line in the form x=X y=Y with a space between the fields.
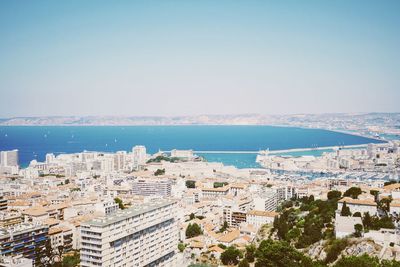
x=198 y=57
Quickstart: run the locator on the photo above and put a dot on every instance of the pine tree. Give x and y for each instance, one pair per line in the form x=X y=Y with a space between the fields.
x=345 y=210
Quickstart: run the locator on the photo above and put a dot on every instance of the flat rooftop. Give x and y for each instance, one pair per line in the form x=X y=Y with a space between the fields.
x=128 y=213
x=22 y=227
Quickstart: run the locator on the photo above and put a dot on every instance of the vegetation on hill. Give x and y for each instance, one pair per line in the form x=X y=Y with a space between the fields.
x=307 y=222
x=163 y=158
x=303 y=222
x=273 y=253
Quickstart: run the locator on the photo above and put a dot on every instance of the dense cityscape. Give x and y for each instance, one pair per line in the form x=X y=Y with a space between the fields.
x=174 y=208
x=172 y=133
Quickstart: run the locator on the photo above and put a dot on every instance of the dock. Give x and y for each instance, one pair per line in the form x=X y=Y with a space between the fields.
x=275 y=151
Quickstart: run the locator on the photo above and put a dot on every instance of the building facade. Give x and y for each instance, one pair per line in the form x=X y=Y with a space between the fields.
x=25 y=239
x=140 y=236
x=152 y=187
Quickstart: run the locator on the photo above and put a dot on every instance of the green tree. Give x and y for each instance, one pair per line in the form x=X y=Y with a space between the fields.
x=159 y=172
x=390 y=182
x=334 y=248
x=71 y=260
x=181 y=247
x=281 y=254
x=334 y=194
x=219 y=184
x=383 y=222
x=375 y=193
x=293 y=233
x=358 y=230
x=250 y=252
x=384 y=204
x=390 y=263
x=244 y=263
x=224 y=227
x=120 y=203
x=231 y=256
x=359 y=261
x=345 y=210
x=190 y=184
x=193 y=230
x=191 y=216
x=281 y=224
x=353 y=192
x=367 y=220
x=287 y=204
x=221 y=246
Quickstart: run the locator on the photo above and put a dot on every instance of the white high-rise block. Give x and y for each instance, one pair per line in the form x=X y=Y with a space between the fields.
x=146 y=235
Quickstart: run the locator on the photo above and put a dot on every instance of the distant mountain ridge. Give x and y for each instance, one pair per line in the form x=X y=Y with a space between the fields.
x=244 y=119
x=314 y=120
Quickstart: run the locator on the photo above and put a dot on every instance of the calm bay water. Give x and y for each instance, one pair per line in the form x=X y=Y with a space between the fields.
x=34 y=142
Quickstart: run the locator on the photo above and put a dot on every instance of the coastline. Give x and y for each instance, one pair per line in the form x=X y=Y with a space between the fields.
x=229 y=153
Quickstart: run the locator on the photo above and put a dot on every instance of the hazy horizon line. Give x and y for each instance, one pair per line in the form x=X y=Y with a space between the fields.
x=197 y=115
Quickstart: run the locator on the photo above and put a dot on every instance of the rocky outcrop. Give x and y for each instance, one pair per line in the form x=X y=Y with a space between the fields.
x=356 y=247
x=316 y=251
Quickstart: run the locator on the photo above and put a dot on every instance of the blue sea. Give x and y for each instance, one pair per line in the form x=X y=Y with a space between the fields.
x=33 y=142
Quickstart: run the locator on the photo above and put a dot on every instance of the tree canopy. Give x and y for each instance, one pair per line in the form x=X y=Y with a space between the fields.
x=120 y=203
x=190 y=184
x=334 y=194
x=345 y=210
x=159 y=172
x=231 y=256
x=281 y=254
x=193 y=230
x=353 y=192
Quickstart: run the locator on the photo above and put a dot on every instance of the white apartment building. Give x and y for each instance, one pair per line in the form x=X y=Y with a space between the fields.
x=258 y=217
x=9 y=158
x=267 y=201
x=23 y=239
x=285 y=192
x=106 y=207
x=139 y=156
x=146 y=235
x=119 y=160
x=212 y=193
x=152 y=187
x=9 y=161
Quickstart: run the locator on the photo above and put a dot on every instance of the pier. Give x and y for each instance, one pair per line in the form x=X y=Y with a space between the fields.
x=275 y=151
x=313 y=148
